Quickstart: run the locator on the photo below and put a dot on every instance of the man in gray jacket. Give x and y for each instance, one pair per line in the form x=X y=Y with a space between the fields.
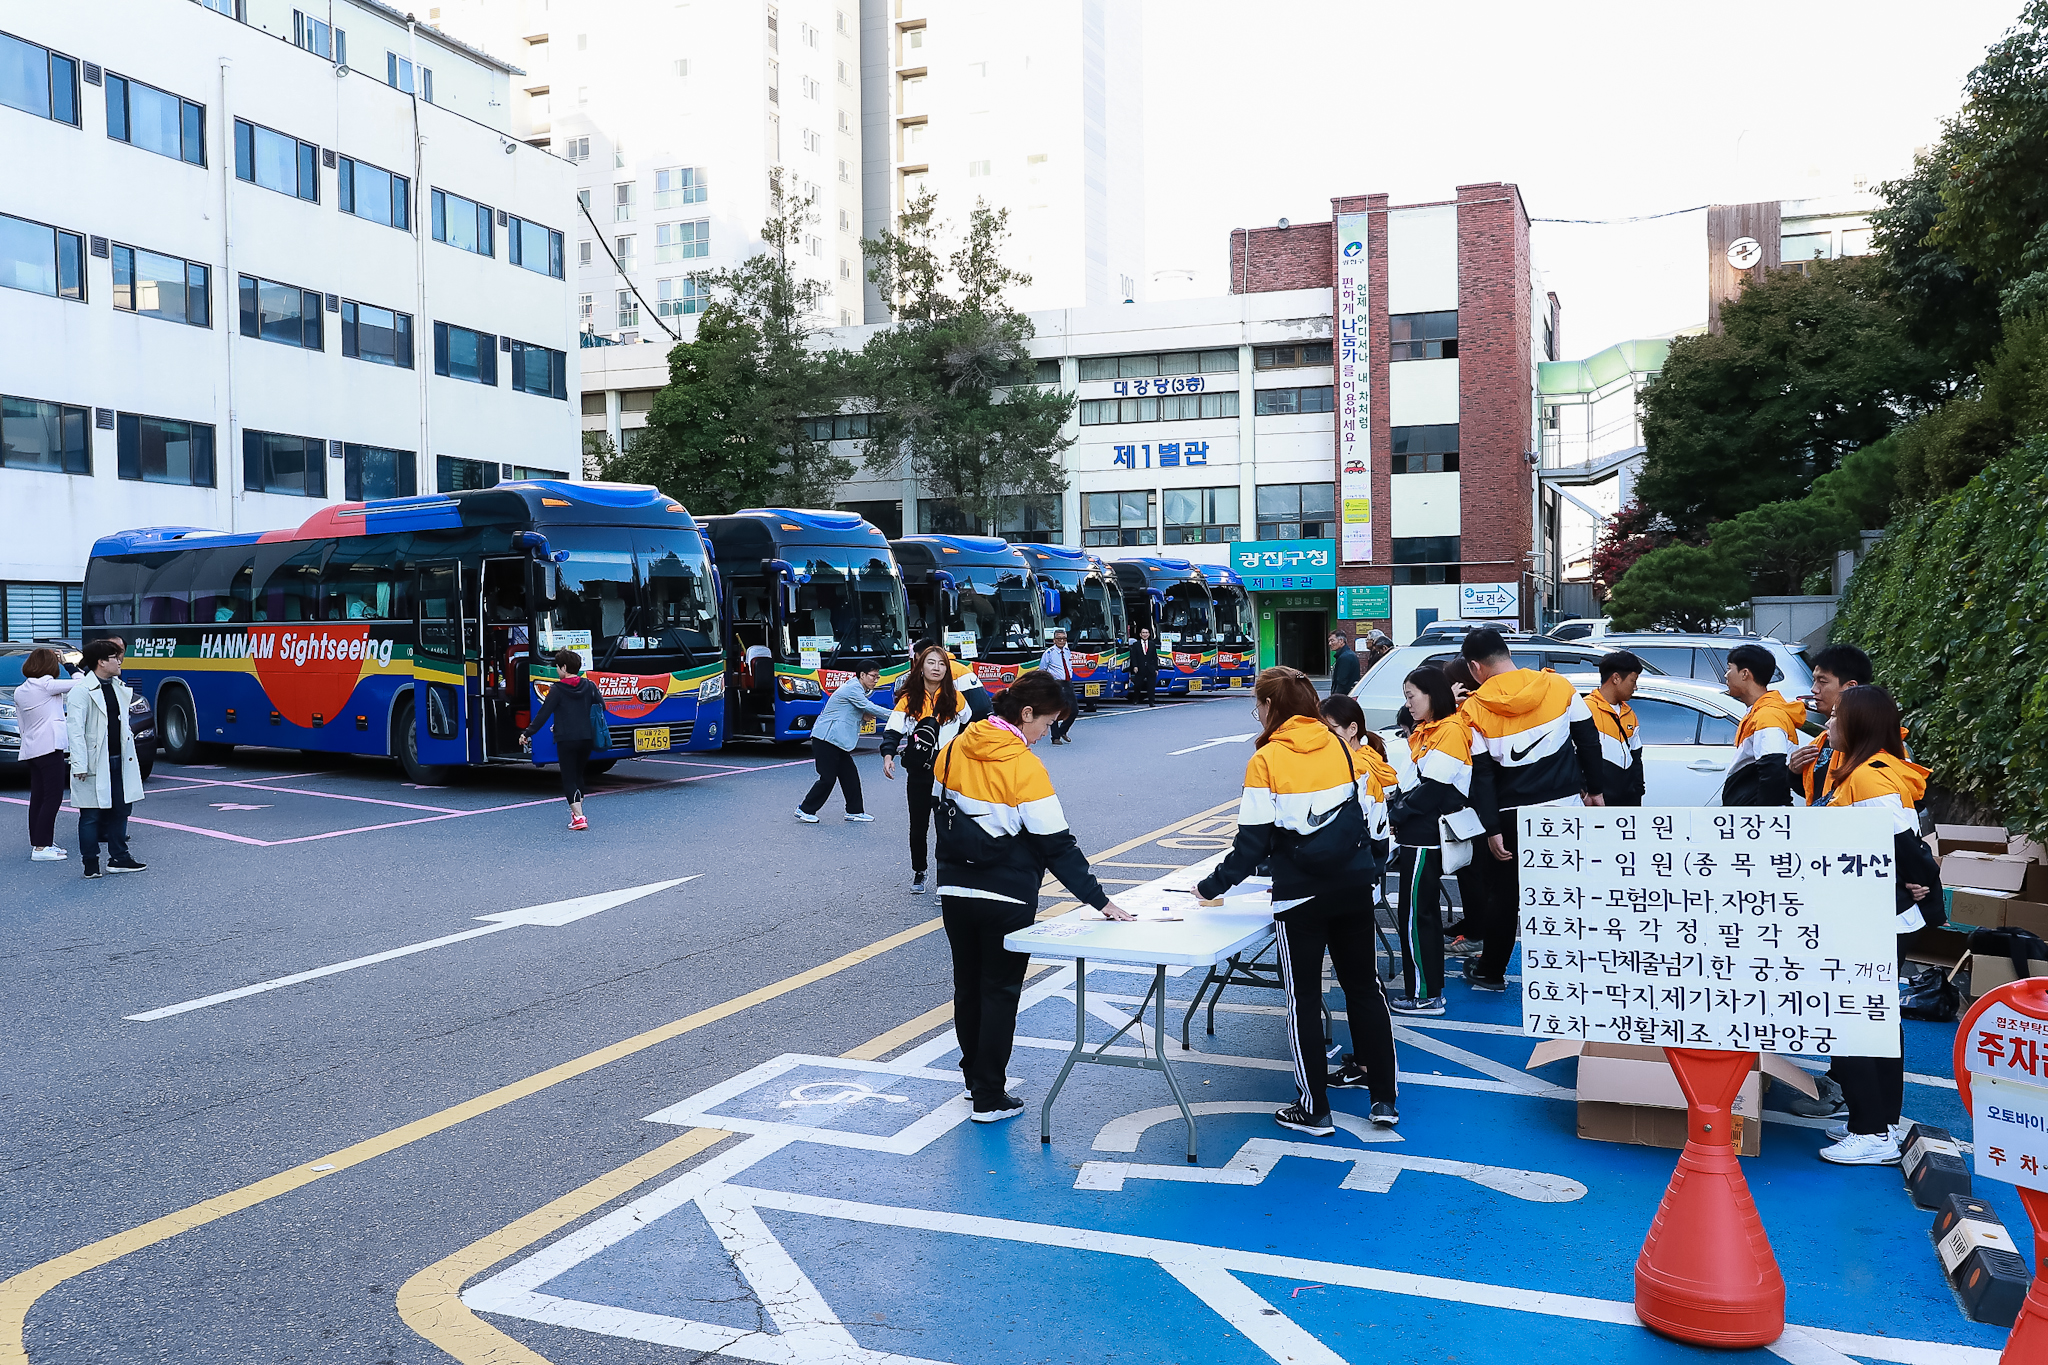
x=833 y=736
x=106 y=776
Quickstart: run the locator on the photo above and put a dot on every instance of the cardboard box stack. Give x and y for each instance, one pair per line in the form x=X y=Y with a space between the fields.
x=1994 y=881
x=1628 y=1093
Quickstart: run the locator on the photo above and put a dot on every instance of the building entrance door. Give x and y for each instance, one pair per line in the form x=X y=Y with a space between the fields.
x=1304 y=642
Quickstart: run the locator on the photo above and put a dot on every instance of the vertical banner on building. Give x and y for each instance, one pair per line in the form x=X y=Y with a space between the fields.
x=1354 y=419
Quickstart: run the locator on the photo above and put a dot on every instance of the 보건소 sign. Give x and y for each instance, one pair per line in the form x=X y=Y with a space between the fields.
x=1745 y=930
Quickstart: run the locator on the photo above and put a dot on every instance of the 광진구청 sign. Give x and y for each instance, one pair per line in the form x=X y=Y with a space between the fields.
x=1749 y=930
x=1286 y=565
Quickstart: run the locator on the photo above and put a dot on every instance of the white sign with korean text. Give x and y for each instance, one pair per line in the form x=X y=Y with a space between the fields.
x=2008 y=1061
x=1354 y=422
x=1489 y=599
x=1748 y=930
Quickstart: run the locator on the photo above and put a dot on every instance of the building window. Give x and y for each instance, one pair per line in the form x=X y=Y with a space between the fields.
x=38 y=81
x=1291 y=357
x=584 y=308
x=41 y=259
x=682 y=241
x=814 y=141
x=464 y=224
x=845 y=268
x=1151 y=366
x=316 y=37
x=1182 y=407
x=460 y=353
x=374 y=472
x=1197 y=516
x=153 y=450
x=283 y=313
x=680 y=185
x=1030 y=521
x=156 y=120
x=374 y=193
x=1118 y=518
x=622 y=203
x=1426 y=450
x=583 y=202
x=583 y=253
x=276 y=162
x=452 y=475
x=50 y=437
x=1420 y=560
x=1297 y=511
x=42 y=611
x=158 y=286
x=628 y=308
x=680 y=297
x=622 y=252
x=401 y=74
x=533 y=247
x=540 y=371
x=977 y=169
x=850 y=426
x=274 y=463
x=1289 y=402
x=381 y=336
x=1423 y=336
x=577 y=149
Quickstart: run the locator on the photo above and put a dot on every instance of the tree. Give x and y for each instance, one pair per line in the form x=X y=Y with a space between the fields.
x=1784 y=548
x=948 y=386
x=1808 y=368
x=1680 y=587
x=1994 y=198
x=730 y=429
x=1948 y=309
x=1629 y=534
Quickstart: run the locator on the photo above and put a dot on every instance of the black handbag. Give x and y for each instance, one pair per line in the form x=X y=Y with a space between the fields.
x=961 y=839
x=1341 y=843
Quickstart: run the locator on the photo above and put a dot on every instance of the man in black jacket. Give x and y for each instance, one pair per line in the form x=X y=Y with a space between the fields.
x=1343 y=665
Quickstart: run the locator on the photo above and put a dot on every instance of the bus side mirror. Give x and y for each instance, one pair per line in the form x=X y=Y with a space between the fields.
x=543 y=584
x=1051 y=593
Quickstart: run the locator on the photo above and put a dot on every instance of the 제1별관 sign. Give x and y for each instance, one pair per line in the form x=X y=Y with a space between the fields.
x=1748 y=930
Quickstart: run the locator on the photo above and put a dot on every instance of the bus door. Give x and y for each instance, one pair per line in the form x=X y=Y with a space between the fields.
x=507 y=635
x=750 y=646
x=440 y=685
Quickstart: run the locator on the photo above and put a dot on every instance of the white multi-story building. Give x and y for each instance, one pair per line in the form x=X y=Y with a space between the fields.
x=254 y=260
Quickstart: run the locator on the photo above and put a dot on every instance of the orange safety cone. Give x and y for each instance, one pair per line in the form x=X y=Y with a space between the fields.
x=2028 y=1342
x=1706 y=1274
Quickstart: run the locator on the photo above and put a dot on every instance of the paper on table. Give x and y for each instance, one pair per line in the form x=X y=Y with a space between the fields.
x=1151 y=902
x=1185 y=878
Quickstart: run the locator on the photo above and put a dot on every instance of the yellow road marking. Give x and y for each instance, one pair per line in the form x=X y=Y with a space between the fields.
x=19 y=1292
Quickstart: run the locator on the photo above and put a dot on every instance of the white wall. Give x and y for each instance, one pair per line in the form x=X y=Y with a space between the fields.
x=1425 y=504
x=1422 y=392
x=1422 y=259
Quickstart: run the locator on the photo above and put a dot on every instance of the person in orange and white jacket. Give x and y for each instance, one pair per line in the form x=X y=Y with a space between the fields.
x=1436 y=780
x=1621 y=747
x=1009 y=833
x=931 y=689
x=1759 y=774
x=1346 y=719
x=1871 y=771
x=1299 y=777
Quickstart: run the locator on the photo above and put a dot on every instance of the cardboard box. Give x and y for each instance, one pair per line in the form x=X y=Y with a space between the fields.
x=1988 y=973
x=1972 y=838
x=1935 y=946
x=1985 y=871
x=2027 y=848
x=1628 y=1093
x=1970 y=908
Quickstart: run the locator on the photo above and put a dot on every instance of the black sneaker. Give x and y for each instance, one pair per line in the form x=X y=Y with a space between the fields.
x=126 y=865
x=1301 y=1121
x=1008 y=1107
x=1384 y=1115
x=1352 y=1077
x=917 y=883
x=1484 y=983
x=1404 y=1004
x=92 y=867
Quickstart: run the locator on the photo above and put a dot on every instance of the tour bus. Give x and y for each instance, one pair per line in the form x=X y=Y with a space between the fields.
x=808 y=597
x=420 y=628
x=1172 y=596
x=1082 y=598
x=979 y=597
x=1236 y=629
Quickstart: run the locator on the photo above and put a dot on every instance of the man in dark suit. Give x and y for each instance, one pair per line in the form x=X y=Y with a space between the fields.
x=1343 y=665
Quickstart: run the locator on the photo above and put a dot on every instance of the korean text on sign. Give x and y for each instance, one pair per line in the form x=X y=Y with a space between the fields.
x=1766 y=930
x=2008 y=1060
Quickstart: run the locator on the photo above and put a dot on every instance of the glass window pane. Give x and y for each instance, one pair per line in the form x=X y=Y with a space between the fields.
x=1223 y=505
x=1279 y=501
x=28 y=256
x=276 y=161
x=1664 y=722
x=1219 y=362
x=156 y=285
x=1137 y=366
x=195 y=133
x=1181 y=362
x=1182 y=507
x=1134 y=509
x=1318 y=499
x=24 y=76
x=1098 y=367
x=1102 y=509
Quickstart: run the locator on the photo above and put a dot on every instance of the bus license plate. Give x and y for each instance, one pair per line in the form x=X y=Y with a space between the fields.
x=651 y=739
x=1194 y=684
x=1091 y=689
x=867 y=725
x=1237 y=682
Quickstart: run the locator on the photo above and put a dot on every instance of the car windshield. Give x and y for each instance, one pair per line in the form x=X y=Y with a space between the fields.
x=643 y=596
x=1185 y=614
x=848 y=601
x=997 y=610
x=1233 y=613
x=1084 y=611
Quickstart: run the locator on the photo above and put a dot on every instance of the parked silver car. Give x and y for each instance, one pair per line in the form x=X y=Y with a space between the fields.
x=13 y=655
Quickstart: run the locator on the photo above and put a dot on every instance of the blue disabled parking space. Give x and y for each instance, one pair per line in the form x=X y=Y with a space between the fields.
x=855 y=1214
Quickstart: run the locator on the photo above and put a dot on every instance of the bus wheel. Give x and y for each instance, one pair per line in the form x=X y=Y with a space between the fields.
x=601 y=766
x=177 y=733
x=406 y=745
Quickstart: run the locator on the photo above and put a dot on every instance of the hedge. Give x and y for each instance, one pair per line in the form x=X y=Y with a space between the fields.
x=1952 y=606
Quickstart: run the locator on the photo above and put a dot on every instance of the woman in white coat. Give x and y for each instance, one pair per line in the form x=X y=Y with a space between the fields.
x=45 y=747
x=106 y=778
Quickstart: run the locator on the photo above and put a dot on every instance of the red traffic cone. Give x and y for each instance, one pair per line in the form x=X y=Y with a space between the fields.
x=1706 y=1274
x=2028 y=1344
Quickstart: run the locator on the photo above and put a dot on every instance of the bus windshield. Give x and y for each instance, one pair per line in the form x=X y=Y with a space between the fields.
x=850 y=602
x=644 y=595
x=1084 y=606
x=1232 y=613
x=996 y=609
x=1186 y=613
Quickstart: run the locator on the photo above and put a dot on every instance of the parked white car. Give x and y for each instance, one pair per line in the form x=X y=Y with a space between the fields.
x=1704 y=658
x=1688 y=732
x=1586 y=629
x=1378 y=693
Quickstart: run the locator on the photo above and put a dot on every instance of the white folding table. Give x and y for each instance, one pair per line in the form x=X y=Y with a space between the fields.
x=1204 y=939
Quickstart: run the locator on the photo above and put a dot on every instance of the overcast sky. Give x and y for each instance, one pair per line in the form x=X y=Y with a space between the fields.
x=1596 y=108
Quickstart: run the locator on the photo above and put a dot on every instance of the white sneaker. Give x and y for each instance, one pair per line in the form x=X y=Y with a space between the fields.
x=1837 y=1131
x=1863 y=1149
x=52 y=854
x=807 y=819
x=861 y=816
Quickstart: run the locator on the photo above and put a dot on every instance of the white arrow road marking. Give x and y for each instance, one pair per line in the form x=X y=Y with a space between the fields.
x=1212 y=743
x=553 y=915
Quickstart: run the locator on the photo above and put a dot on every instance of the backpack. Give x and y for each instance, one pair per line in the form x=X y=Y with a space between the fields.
x=600 y=726
x=961 y=839
x=921 y=745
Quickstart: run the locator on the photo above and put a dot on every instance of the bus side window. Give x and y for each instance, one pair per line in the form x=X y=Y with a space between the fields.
x=220 y=585
x=365 y=590
x=290 y=590
x=166 y=596
x=111 y=588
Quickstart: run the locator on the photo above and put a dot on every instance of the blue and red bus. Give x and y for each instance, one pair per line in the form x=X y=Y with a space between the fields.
x=1236 y=628
x=1082 y=598
x=421 y=628
x=1173 y=597
x=809 y=598
x=979 y=597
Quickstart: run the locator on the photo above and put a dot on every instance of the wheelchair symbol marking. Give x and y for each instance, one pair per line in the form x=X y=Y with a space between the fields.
x=841 y=1092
